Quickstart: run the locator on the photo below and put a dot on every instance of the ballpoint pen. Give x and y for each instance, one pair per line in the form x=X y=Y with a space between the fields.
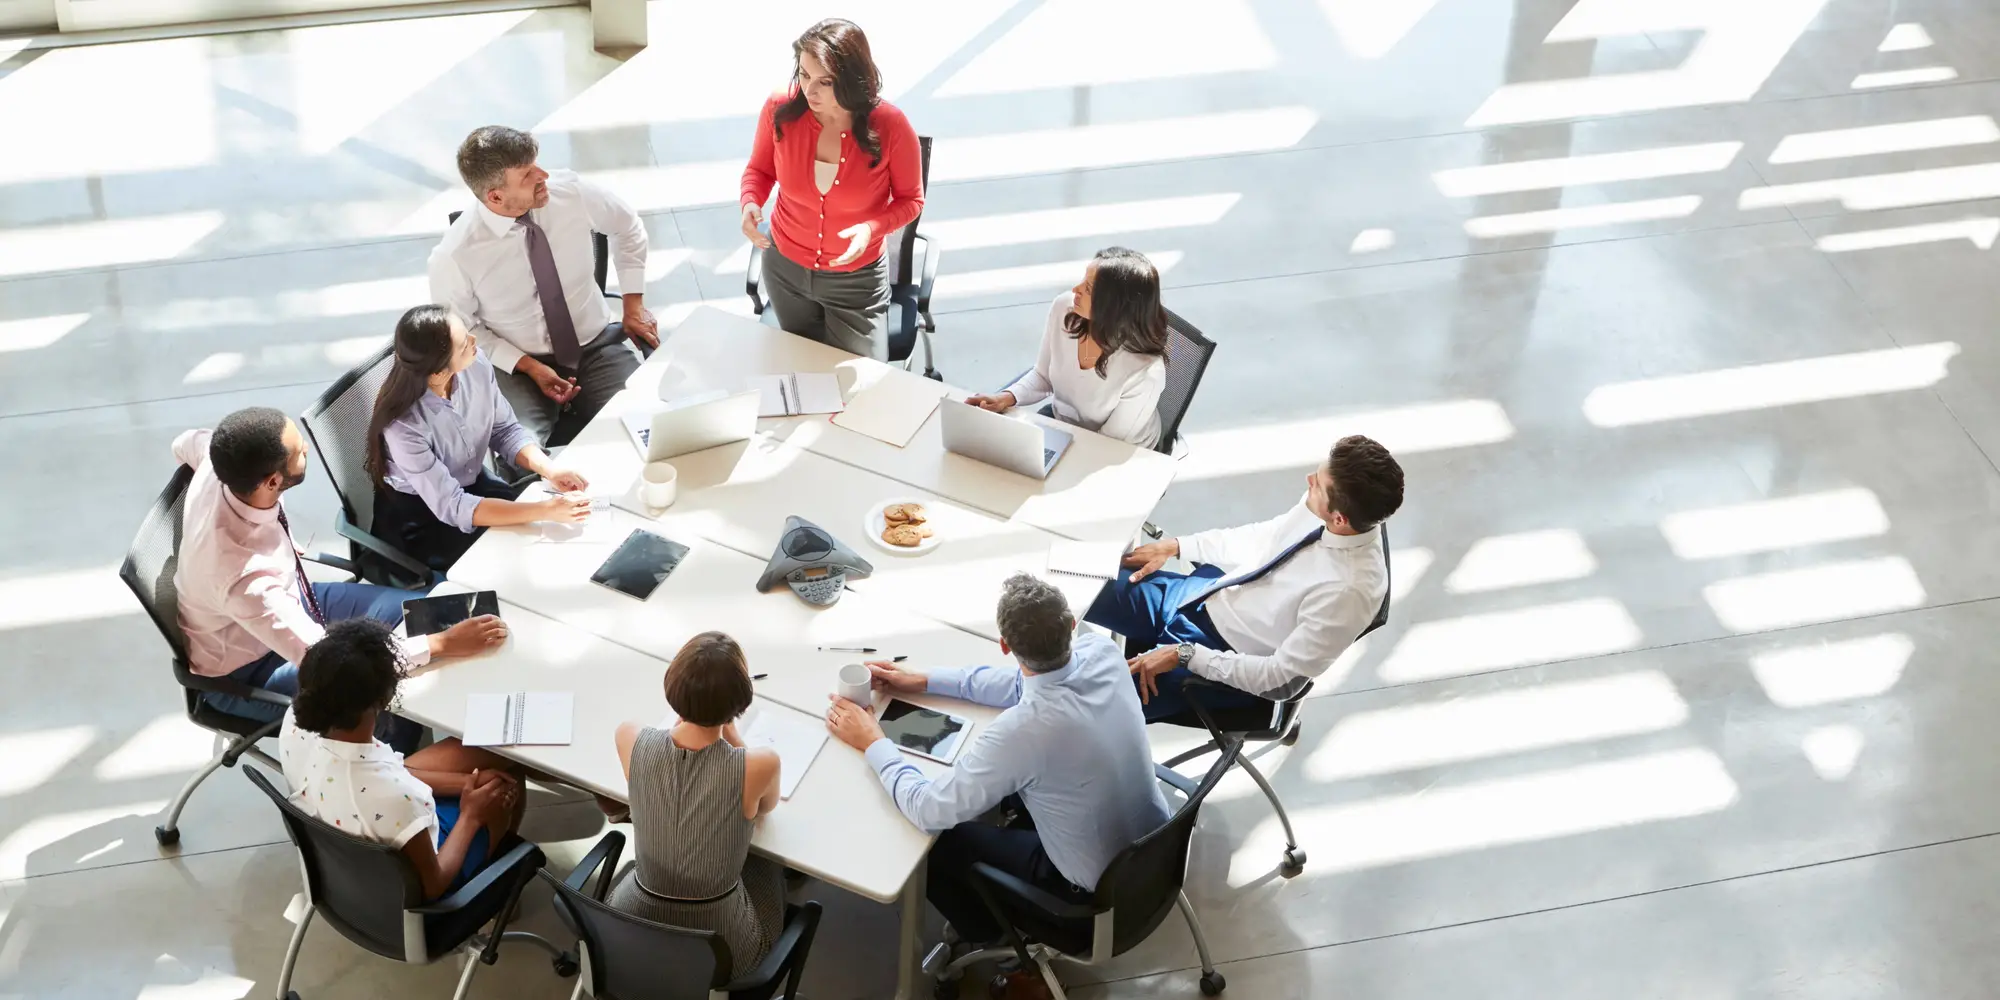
x=758 y=677
x=847 y=649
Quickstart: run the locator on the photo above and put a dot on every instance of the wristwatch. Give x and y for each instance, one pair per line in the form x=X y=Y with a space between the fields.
x=1186 y=652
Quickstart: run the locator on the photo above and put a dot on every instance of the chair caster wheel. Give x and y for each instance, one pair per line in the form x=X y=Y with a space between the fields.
x=565 y=966
x=1212 y=984
x=167 y=836
x=1295 y=862
x=292 y=995
x=997 y=986
x=1291 y=737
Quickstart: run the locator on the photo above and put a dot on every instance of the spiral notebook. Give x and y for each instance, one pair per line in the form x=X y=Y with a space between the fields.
x=523 y=718
x=797 y=393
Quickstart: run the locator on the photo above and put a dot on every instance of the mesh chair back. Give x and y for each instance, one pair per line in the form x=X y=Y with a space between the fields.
x=902 y=267
x=1388 y=584
x=337 y=425
x=636 y=959
x=1143 y=881
x=359 y=887
x=1187 y=358
x=150 y=562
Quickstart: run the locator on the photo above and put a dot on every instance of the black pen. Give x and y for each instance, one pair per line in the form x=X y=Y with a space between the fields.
x=758 y=677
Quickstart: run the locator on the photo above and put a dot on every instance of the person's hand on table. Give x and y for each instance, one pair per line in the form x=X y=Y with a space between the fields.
x=564 y=508
x=639 y=324
x=473 y=635
x=1000 y=403
x=860 y=233
x=1147 y=668
x=886 y=676
x=851 y=724
x=552 y=384
x=565 y=481
x=1148 y=558
x=753 y=216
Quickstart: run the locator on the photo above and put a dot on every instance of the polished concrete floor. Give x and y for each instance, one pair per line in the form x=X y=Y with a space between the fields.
x=1676 y=312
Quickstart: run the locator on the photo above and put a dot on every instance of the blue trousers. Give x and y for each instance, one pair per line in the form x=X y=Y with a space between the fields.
x=340 y=601
x=1148 y=614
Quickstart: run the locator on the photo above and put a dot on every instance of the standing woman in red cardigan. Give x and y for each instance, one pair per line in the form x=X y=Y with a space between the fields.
x=848 y=172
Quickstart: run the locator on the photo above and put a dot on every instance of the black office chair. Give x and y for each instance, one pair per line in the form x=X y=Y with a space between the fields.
x=337 y=425
x=370 y=894
x=1140 y=886
x=1273 y=723
x=913 y=263
x=600 y=252
x=149 y=571
x=1188 y=351
x=624 y=957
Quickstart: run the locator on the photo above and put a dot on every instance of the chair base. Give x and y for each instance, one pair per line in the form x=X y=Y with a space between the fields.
x=168 y=833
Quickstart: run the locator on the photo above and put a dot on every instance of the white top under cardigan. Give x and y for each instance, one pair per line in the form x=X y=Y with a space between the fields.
x=1123 y=403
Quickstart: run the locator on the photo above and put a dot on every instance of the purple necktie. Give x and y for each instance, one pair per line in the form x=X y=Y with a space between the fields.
x=298 y=565
x=548 y=288
x=1256 y=574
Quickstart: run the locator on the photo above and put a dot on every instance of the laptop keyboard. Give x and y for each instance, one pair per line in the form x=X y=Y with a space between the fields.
x=1048 y=455
x=645 y=436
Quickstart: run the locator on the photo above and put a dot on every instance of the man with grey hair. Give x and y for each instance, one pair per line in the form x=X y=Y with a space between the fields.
x=1071 y=744
x=520 y=270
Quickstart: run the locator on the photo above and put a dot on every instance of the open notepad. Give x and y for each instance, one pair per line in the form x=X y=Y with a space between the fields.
x=523 y=718
x=796 y=736
x=796 y=393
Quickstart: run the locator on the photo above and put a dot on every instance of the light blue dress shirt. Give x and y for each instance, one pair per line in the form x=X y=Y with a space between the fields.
x=438 y=447
x=1072 y=743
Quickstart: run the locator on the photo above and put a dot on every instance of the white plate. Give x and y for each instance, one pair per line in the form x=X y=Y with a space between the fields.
x=874 y=524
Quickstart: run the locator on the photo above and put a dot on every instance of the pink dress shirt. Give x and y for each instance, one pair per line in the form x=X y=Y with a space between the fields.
x=238 y=578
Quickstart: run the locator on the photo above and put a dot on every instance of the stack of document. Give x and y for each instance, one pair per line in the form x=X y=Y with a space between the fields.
x=796 y=393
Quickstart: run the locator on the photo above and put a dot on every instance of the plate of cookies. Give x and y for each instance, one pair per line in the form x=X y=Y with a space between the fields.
x=902 y=527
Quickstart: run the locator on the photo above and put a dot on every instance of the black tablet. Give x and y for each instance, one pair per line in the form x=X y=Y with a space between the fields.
x=923 y=731
x=428 y=615
x=643 y=560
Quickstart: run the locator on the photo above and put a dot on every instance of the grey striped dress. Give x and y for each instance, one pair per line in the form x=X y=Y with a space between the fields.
x=693 y=867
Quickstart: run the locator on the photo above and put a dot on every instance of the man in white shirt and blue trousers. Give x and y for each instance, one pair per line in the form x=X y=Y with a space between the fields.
x=520 y=270
x=1071 y=745
x=1270 y=605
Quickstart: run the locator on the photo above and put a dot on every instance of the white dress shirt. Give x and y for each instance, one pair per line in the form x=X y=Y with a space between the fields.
x=362 y=789
x=1123 y=403
x=1295 y=621
x=238 y=580
x=480 y=268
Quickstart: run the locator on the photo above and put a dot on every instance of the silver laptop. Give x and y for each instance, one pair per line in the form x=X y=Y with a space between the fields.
x=1030 y=449
x=693 y=424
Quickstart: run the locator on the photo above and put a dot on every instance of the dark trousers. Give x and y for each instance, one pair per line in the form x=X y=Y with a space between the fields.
x=606 y=363
x=848 y=309
x=1148 y=614
x=270 y=672
x=405 y=521
x=1018 y=852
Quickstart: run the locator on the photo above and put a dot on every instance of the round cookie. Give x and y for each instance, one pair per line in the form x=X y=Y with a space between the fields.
x=897 y=513
x=905 y=535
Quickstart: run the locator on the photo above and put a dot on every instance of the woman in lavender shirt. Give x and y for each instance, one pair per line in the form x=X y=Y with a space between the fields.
x=438 y=416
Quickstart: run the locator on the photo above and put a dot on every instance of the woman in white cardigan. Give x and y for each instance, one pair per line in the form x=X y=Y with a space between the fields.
x=1104 y=352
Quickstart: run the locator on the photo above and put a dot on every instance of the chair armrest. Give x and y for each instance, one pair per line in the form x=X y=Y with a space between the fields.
x=794 y=943
x=224 y=685
x=523 y=856
x=1181 y=782
x=340 y=563
x=381 y=548
x=753 y=280
x=604 y=853
x=1031 y=896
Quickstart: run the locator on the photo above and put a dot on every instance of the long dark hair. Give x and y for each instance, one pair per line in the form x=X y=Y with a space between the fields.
x=423 y=348
x=842 y=48
x=1125 y=309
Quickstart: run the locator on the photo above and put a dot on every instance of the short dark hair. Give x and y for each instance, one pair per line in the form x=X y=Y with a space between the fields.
x=247 y=447
x=353 y=668
x=708 y=682
x=486 y=155
x=1036 y=622
x=1367 y=483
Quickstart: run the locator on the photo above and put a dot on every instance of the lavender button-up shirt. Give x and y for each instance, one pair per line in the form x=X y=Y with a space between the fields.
x=437 y=448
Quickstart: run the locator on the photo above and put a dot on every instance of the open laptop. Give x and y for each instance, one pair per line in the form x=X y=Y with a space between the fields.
x=1030 y=449
x=706 y=421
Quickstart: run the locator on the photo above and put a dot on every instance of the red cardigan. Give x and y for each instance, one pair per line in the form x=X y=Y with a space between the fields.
x=804 y=223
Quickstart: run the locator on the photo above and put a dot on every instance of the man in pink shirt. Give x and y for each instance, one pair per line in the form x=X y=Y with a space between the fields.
x=246 y=607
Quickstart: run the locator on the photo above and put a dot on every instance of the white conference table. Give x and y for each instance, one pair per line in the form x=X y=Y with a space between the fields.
x=870 y=849
x=1103 y=489
x=935 y=608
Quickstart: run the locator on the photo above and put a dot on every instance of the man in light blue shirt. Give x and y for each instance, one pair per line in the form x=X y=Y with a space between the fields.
x=1071 y=744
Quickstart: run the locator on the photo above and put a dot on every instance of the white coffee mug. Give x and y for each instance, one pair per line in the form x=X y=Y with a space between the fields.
x=662 y=484
x=856 y=685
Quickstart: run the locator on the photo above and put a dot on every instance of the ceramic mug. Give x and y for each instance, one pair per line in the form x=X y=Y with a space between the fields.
x=661 y=484
x=856 y=685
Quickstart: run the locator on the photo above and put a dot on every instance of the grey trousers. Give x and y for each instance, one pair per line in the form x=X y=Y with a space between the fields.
x=607 y=362
x=848 y=309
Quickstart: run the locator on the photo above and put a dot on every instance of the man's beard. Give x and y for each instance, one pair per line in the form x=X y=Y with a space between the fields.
x=291 y=481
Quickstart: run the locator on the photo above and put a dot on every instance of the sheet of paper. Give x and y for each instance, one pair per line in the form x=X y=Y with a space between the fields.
x=486 y=719
x=796 y=393
x=888 y=404
x=1093 y=559
x=796 y=736
x=548 y=720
